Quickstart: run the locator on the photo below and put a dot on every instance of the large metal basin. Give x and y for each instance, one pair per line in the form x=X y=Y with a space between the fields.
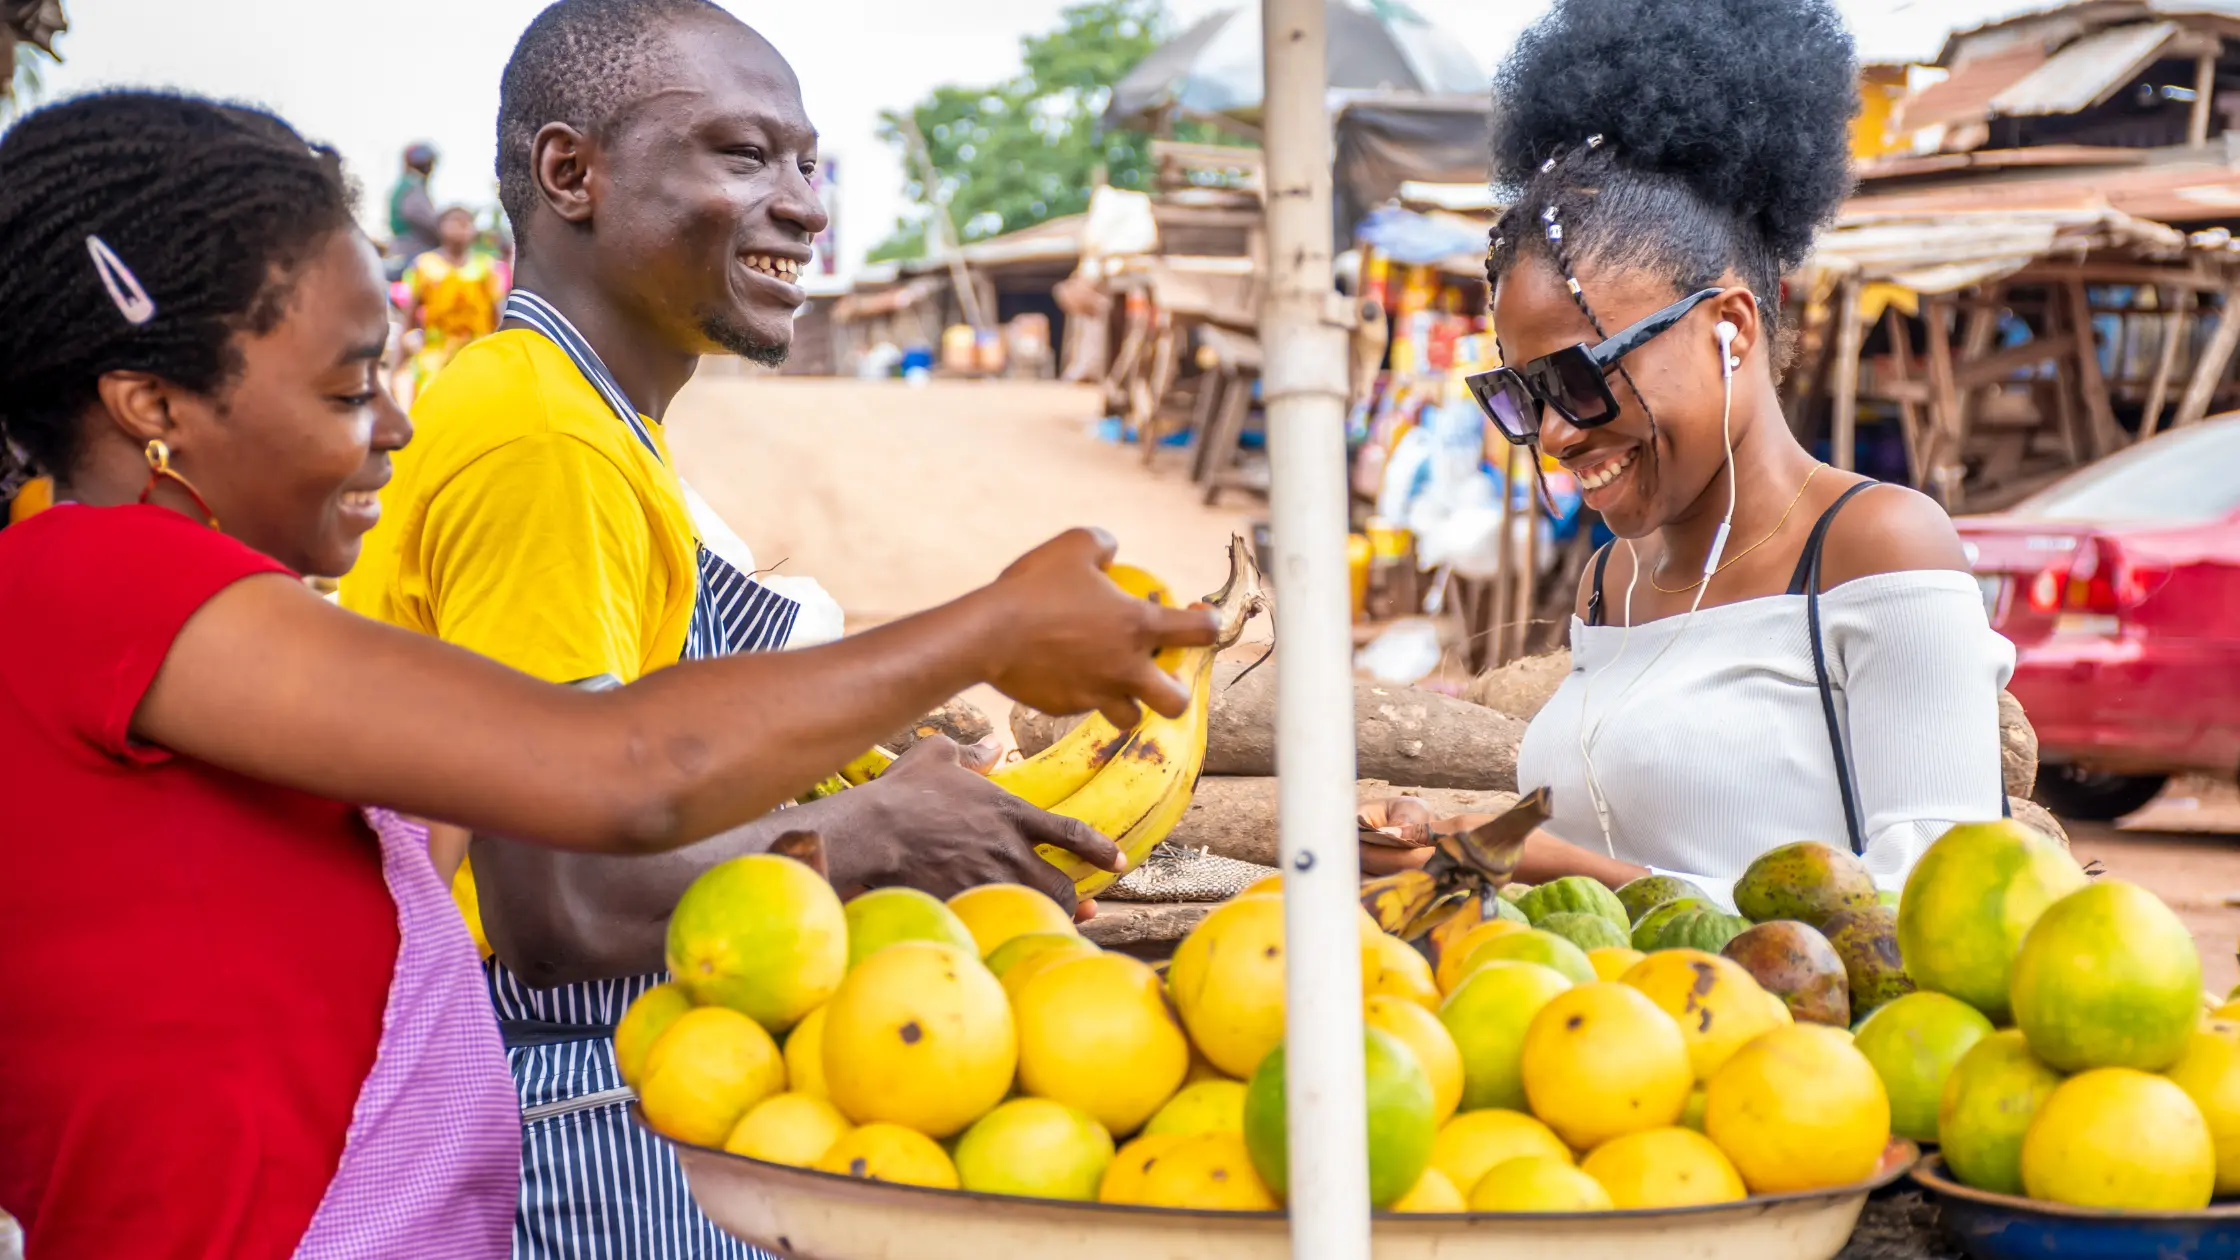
x=804 y=1215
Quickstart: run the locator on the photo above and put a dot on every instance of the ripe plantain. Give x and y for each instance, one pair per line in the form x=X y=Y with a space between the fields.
x=1065 y=767
x=867 y=767
x=1145 y=787
x=1133 y=785
x=1139 y=797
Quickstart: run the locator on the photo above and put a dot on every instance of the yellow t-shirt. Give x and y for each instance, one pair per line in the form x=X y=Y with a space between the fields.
x=527 y=522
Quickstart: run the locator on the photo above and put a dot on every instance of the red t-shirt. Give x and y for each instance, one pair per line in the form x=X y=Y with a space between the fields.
x=193 y=965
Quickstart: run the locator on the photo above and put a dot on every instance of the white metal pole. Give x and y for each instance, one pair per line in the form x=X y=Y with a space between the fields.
x=1304 y=384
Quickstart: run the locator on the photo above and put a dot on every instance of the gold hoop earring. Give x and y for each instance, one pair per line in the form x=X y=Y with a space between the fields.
x=158 y=456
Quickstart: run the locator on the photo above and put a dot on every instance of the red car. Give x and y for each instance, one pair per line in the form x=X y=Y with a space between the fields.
x=2119 y=586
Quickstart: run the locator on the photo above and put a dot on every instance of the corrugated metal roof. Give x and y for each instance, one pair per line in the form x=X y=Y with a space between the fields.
x=1965 y=96
x=2179 y=192
x=2086 y=72
x=2067 y=17
x=1939 y=251
x=861 y=305
x=1052 y=240
x=1899 y=166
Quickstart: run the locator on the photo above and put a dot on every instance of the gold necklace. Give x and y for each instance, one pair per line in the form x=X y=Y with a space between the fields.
x=1730 y=561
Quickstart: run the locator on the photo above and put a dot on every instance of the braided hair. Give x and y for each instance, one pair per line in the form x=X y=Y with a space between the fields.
x=212 y=208
x=1688 y=137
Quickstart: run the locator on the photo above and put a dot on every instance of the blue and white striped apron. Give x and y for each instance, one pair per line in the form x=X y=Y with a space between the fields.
x=593 y=1183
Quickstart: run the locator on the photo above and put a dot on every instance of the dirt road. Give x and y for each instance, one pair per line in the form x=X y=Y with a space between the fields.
x=897 y=498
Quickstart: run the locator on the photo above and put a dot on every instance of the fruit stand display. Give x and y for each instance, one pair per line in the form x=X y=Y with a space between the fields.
x=1564 y=1069
x=969 y=1056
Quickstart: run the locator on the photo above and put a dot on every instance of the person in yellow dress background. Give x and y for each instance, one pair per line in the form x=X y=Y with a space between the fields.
x=454 y=293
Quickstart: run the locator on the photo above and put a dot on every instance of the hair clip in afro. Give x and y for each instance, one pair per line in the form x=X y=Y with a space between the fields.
x=1594 y=141
x=124 y=288
x=1555 y=229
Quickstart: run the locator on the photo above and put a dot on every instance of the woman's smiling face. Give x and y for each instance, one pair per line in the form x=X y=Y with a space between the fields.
x=1639 y=474
x=291 y=455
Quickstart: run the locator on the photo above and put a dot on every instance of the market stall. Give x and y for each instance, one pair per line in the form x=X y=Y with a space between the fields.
x=1980 y=353
x=1452 y=519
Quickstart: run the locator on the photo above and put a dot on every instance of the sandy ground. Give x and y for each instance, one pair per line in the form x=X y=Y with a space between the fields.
x=898 y=498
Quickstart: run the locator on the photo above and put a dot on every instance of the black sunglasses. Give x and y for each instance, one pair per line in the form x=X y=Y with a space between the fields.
x=1572 y=379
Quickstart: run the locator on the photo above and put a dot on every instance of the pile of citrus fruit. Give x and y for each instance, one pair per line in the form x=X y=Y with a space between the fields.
x=2059 y=1045
x=984 y=1045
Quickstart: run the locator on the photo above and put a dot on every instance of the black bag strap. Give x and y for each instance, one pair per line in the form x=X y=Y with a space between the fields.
x=1807 y=582
x=1594 y=593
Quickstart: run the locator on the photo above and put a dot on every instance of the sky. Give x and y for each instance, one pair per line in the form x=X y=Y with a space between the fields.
x=370 y=76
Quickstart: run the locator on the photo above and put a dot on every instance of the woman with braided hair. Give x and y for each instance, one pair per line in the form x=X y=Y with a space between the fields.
x=239 y=1021
x=1772 y=650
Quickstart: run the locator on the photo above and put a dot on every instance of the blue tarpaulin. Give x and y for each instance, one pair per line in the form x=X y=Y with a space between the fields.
x=1407 y=237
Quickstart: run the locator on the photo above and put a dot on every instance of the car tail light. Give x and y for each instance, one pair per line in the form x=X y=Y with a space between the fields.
x=2096 y=578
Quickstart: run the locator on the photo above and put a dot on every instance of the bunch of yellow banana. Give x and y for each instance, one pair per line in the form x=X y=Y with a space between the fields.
x=1133 y=785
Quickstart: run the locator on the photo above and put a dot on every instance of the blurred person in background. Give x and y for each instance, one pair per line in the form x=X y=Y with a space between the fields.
x=452 y=296
x=413 y=221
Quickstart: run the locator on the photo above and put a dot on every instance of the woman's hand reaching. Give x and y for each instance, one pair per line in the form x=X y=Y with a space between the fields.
x=1546 y=857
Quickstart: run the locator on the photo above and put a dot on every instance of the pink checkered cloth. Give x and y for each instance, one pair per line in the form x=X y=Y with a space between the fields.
x=432 y=1164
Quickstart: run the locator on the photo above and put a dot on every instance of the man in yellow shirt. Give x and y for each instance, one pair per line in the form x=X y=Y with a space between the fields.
x=655 y=160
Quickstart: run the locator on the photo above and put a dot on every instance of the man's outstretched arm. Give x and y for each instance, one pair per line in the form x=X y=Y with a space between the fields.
x=929 y=822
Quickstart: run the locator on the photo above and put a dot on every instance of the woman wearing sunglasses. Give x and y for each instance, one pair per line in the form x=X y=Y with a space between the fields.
x=1671 y=159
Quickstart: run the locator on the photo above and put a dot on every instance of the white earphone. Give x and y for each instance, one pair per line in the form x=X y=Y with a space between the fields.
x=1726 y=332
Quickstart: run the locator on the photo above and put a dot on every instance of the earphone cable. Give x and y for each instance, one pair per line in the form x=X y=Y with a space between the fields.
x=1588 y=736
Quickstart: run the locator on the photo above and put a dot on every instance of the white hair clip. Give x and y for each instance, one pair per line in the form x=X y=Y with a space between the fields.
x=1594 y=141
x=124 y=288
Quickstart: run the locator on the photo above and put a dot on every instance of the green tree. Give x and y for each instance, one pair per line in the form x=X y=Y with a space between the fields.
x=1026 y=150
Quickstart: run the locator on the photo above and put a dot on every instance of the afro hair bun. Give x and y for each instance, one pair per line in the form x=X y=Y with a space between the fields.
x=1746 y=102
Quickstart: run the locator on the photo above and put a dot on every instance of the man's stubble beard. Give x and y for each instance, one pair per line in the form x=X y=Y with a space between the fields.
x=740 y=342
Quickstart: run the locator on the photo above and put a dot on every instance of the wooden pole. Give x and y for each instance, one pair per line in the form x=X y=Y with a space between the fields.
x=2204 y=94
x=1522 y=603
x=2166 y=361
x=952 y=248
x=2105 y=434
x=1504 y=593
x=2065 y=410
x=1844 y=422
x=2202 y=389
x=1981 y=324
x=1809 y=373
x=1944 y=404
x=1920 y=447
